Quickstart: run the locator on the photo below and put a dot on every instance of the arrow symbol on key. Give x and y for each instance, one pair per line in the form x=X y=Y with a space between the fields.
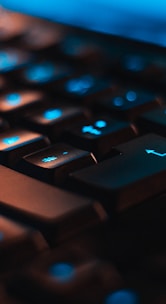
x=155 y=153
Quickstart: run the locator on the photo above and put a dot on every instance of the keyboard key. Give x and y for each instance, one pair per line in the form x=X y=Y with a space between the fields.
x=13 y=59
x=52 y=120
x=85 y=88
x=68 y=279
x=14 y=103
x=18 y=244
x=120 y=182
x=153 y=121
x=53 y=164
x=45 y=72
x=12 y=25
x=41 y=36
x=80 y=50
x=128 y=104
x=99 y=135
x=58 y=214
x=17 y=143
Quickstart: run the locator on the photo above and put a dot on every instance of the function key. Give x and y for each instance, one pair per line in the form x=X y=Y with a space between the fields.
x=99 y=135
x=45 y=72
x=13 y=59
x=53 y=119
x=128 y=104
x=16 y=143
x=85 y=88
x=13 y=103
x=53 y=164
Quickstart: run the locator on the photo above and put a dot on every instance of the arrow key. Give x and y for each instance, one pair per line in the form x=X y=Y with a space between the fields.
x=136 y=174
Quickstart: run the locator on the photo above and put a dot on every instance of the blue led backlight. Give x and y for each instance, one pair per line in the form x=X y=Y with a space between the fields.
x=52 y=114
x=91 y=130
x=131 y=96
x=40 y=72
x=118 y=101
x=62 y=272
x=7 y=61
x=49 y=159
x=80 y=85
x=65 y=153
x=134 y=63
x=13 y=99
x=122 y=297
x=10 y=140
x=100 y=124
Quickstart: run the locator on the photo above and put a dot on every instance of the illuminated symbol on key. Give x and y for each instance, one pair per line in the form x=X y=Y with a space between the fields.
x=62 y=272
x=100 y=124
x=131 y=96
x=155 y=153
x=52 y=114
x=40 y=72
x=10 y=140
x=7 y=60
x=80 y=85
x=13 y=99
x=65 y=153
x=91 y=130
x=118 y=101
x=49 y=159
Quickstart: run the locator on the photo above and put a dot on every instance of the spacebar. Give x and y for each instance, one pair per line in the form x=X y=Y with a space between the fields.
x=53 y=211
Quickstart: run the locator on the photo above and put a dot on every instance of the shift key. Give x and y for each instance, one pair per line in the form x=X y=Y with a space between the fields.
x=56 y=213
x=137 y=173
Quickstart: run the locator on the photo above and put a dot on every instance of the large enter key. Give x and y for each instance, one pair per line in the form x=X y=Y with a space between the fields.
x=136 y=174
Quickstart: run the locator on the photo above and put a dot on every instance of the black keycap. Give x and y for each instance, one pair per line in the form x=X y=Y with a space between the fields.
x=138 y=173
x=16 y=143
x=52 y=120
x=128 y=104
x=153 y=121
x=100 y=135
x=53 y=164
x=57 y=213
x=44 y=73
x=18 y=244
x=80 y=50
x=85 y=88
x=65 y=277
x=17 y=102
x=12 y=59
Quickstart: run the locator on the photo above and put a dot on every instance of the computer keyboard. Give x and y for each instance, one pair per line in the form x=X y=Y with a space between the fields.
x=82 y=166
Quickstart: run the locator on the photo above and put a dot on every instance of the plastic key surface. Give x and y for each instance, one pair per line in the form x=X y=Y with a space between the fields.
x=45 y=207
x=138 y=173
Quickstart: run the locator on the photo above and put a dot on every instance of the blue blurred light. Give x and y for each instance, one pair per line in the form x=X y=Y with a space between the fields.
x=40 y=72
x=52 y=114
x=100 y=124
x=80 y=85
x=131 y=96
x=62 y=272
x=49 y=159
x=7 y=61
x=118 y=101
x=122 y=297
x=134 y=63
x=65 y=153
x=91 y=130
x=13 y=99
x=10 y=140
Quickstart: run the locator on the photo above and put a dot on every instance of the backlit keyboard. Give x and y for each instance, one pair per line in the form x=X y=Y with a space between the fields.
x=82 y=166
